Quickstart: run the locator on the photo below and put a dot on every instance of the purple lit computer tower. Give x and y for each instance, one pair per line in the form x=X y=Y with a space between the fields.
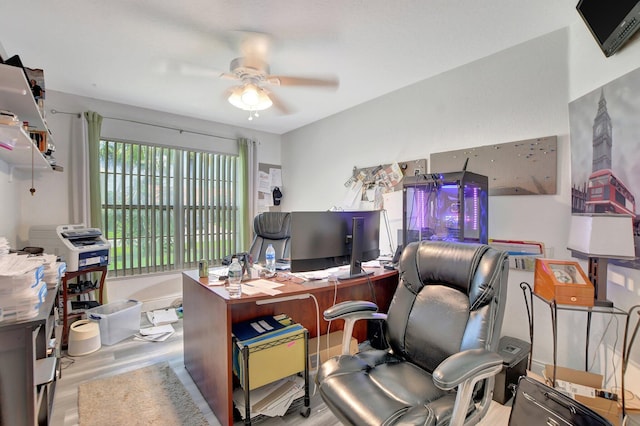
x=445 y=206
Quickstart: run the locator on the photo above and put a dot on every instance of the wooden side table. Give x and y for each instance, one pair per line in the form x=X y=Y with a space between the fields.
x=64 y=289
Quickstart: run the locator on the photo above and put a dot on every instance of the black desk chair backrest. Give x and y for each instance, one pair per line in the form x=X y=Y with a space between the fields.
x=443 y=329
x=271 y=228
x=442 y=304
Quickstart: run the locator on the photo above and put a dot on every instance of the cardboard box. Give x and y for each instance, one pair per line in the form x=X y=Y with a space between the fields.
x=584 y=384
x=334 y=349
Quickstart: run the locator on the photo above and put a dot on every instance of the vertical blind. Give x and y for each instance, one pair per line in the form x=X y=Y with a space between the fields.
x=164 y=208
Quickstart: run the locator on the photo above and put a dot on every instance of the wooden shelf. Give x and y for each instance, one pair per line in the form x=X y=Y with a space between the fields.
x=66 y=295
x=15 y=96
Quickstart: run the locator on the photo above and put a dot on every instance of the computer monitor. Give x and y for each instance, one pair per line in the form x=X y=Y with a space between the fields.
x=321 y=240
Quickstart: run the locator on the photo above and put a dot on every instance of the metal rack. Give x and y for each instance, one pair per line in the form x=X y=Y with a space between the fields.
x=554 y=308
x=247 y=350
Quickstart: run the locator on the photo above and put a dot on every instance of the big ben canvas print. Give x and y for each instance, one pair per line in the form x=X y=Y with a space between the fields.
x=605 y=154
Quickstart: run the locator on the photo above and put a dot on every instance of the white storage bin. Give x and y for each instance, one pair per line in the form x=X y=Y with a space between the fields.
x=118 y=320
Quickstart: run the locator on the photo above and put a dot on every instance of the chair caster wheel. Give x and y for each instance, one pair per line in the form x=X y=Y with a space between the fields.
x=305 y=412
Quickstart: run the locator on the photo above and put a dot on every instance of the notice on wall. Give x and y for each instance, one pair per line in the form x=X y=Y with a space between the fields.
x=269 y=178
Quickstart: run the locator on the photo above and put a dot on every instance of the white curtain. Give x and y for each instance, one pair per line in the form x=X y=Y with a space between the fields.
x=248 y=166
x=253 y=185
x=79 y=173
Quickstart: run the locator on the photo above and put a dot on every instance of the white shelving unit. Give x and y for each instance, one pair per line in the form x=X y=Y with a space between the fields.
x=15 y=96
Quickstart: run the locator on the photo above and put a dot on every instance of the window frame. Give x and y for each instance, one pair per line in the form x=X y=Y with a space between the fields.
x=193 y=186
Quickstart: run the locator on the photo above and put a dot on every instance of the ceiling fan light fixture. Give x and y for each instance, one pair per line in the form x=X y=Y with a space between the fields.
x=250 y=97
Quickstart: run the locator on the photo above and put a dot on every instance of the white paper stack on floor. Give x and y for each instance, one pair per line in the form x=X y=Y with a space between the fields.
x=273 y=399
x=158 y=333
x=162 y=316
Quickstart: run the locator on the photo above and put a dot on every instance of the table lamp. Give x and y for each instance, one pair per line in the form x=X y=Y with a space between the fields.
x=600 y=237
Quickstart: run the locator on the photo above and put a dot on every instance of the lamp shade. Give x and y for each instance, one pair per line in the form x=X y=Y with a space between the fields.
x=250 y=98
x=602 y=235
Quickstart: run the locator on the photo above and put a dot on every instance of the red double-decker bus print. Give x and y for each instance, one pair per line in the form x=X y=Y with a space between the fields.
x=608 y=194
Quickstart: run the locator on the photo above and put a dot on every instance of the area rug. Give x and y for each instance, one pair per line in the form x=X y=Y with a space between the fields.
x=151 y=395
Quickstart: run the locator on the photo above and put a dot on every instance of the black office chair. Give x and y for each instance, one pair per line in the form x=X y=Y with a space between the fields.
x=443 y=328
x=271 y=228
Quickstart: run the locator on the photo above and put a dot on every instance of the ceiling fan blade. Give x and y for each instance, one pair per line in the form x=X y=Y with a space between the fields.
x=330 y=82
x=278 y=103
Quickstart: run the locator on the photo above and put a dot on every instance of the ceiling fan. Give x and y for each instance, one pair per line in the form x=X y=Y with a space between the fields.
x=253 y=72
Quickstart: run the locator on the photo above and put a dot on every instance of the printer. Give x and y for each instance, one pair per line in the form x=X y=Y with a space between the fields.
x=80 y=247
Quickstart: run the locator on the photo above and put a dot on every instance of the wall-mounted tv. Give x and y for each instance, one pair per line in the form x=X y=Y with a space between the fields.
x=611 y=23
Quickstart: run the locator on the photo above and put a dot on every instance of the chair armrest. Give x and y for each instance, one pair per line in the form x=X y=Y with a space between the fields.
x=352 y=311
x=463 y=370
x=466 y=365
x=350 y=306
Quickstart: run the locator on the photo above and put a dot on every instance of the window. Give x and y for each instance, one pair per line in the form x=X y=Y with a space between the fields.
x=164 y=209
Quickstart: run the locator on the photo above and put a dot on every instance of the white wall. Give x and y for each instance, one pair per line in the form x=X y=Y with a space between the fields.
x=510 y=96
x=10 y=210
x=520 y=93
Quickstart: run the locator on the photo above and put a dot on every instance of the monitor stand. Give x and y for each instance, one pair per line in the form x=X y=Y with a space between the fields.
x=357 y=242
x=351 y=276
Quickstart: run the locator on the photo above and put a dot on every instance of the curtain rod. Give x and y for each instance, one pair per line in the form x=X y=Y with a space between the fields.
x=54 y=111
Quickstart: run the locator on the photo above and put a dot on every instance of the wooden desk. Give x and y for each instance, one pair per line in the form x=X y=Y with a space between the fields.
x=209 y=313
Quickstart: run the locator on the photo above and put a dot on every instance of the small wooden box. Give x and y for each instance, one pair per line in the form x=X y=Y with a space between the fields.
x=562 y=281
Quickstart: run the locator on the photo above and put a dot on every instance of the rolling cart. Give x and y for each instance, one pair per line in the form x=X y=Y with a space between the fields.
x=259 y=363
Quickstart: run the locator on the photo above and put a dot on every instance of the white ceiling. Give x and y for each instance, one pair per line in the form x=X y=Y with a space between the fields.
x=127 y=51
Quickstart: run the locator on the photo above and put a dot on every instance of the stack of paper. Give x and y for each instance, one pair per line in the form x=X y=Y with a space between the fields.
x=273 y=399
x=155 y=334
x=162 y=316
x=261 y=286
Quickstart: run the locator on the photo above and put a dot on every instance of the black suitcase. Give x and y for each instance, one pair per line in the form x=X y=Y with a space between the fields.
x=538 y=404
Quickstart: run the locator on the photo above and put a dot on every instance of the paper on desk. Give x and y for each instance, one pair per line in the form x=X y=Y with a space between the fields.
x=254 y=288
x=265 y=284
x=322 y=274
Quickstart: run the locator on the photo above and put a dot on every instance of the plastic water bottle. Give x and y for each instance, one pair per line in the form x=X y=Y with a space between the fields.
x=235 y=278
x=270 y=257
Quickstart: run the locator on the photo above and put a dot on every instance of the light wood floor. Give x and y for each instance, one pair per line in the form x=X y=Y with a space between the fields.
x=131 y=354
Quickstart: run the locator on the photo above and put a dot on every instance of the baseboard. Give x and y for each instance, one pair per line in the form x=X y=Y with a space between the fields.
x=537 y=367
x=173 y=300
